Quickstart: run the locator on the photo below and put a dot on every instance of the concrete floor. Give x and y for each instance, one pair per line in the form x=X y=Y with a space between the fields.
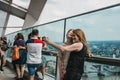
x=7 y=74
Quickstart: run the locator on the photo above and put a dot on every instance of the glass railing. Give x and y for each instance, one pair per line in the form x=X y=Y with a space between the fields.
x=101 y=68
x=97 y=71
x=96 y=68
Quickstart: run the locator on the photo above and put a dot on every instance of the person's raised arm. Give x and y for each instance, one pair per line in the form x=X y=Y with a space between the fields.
x=73 y=47
x=45 y=47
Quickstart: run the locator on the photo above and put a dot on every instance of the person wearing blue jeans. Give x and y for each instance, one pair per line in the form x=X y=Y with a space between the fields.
x=34 y=53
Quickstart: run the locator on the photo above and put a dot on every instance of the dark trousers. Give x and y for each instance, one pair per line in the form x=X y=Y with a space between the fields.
x=1 y=66
x=72 y=76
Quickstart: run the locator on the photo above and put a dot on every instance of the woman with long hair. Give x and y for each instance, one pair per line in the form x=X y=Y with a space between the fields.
x=78 y=50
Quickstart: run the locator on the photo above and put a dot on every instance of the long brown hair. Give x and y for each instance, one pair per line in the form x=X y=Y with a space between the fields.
x=82 y=39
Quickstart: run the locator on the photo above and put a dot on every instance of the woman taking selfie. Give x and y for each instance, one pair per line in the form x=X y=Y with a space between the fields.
x=78 y=50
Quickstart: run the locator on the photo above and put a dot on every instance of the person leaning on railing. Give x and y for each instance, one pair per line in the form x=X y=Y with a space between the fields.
x=78 y=50
x=63 y=57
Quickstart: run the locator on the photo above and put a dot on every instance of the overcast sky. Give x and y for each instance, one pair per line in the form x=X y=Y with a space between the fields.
x=57 y=9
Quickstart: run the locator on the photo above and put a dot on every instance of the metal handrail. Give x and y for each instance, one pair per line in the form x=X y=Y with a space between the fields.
x=95 y=59
x=104 y=60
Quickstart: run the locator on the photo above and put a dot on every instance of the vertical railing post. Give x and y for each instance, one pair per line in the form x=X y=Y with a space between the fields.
x=64 y=30
x=57 y=73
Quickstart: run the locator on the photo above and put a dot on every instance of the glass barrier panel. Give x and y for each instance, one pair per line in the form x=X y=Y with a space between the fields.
x=95 y=71
x=54 y=31
x=101 y=29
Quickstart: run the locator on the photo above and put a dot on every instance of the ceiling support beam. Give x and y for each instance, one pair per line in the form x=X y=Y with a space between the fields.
x=13 y=9
x=34 y=12
x=5 y=24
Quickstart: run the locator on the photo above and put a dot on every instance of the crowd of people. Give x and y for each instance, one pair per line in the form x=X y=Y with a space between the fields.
x=71 y=54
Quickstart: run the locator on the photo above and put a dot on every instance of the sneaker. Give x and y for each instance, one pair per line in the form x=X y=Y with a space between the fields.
x=1 y=69
x=36 y=75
